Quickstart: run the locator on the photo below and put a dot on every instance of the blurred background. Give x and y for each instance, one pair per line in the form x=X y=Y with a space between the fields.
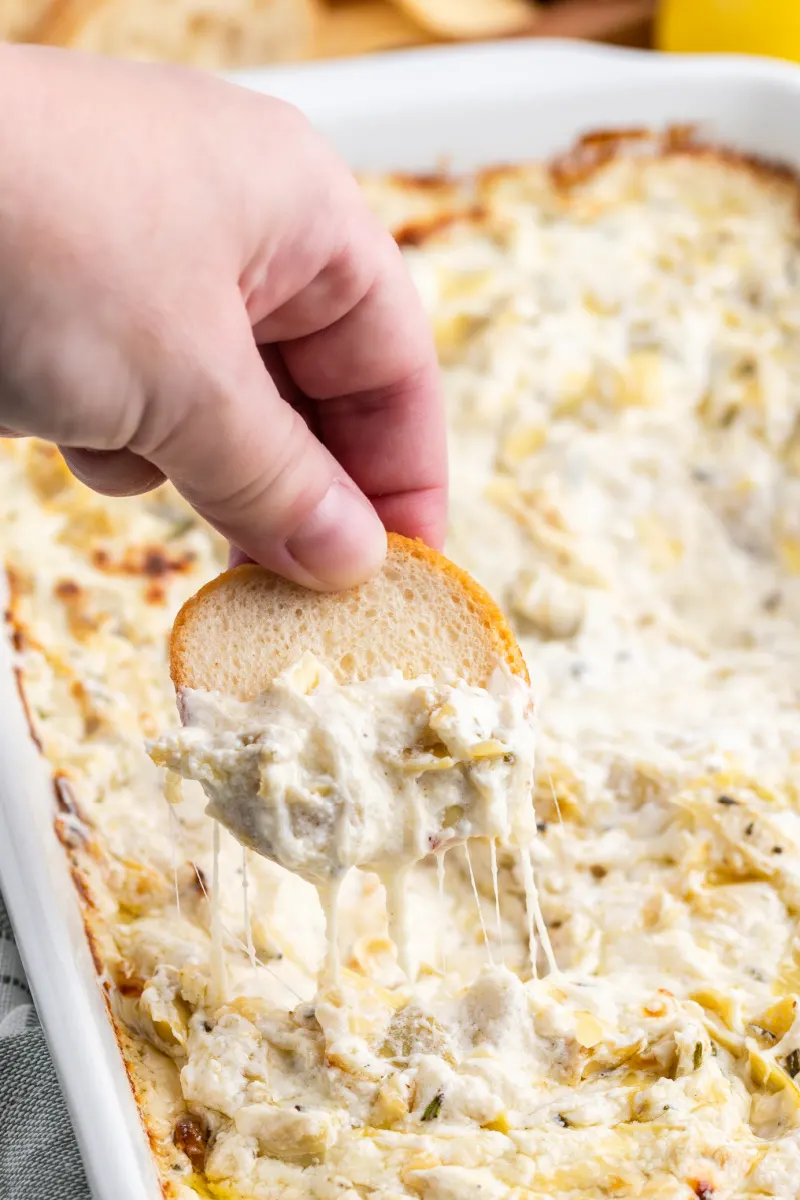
x=238 y=33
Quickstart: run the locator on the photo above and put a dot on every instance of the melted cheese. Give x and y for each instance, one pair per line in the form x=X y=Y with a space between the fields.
x=621 y=364
x=322 y=777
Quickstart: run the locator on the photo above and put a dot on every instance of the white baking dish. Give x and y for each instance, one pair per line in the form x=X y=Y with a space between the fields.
x=472 y=106
x=499 y=103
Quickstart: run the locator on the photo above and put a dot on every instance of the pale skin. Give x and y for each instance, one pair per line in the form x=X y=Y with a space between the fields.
x=185 y=268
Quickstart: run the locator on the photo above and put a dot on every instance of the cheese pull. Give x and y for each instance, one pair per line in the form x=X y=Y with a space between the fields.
x=368 y=728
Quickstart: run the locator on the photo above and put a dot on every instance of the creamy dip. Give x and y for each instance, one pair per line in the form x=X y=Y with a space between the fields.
x=321 y=777
x=621 y=368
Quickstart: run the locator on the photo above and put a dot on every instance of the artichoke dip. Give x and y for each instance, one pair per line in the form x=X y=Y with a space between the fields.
x=322 y=777
x=620 y=345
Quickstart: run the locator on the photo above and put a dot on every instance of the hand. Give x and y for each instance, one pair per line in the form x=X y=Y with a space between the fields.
x=185 y=268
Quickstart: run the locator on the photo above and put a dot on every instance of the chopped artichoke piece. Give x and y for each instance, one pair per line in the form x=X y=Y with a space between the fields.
x=779 y=1017
x=412 y=1031
x=391 y=1103
x=718 y=1002
x=789 y=550
x=554 y=606
x=641 y=384
x=295 y=1136
x=489 y=749
x=427 y=762
x=767 y=1073
x=588 y=1030
x=163 y=1014
x=732 y=1042
x=522 y=442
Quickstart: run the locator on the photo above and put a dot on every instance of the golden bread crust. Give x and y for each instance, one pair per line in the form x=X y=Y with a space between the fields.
x=491 y=628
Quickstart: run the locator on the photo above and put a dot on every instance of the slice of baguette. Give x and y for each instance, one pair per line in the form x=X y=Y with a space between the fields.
x=420 y=614
x=206 y=33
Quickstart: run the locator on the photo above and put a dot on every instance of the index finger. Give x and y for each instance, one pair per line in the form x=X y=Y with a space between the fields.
x=374 y=373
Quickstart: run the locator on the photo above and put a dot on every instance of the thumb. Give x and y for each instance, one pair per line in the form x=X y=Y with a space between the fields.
x=251 y=466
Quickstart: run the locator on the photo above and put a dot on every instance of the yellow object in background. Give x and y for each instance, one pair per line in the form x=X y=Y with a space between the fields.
x=770 y=27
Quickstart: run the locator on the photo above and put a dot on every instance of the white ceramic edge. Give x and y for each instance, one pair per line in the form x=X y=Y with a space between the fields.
x=33 y=867
x=548 y=91
x=452 y=71
x=41 y=902
x=458 y=63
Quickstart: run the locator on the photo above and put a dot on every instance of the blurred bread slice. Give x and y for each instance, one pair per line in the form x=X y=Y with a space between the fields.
x=18 y=17
x=420 y=614
x=214 y=34
x=346 y=27
x=465 y=19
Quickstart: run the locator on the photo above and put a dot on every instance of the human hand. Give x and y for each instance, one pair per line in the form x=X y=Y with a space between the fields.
x=163 y=235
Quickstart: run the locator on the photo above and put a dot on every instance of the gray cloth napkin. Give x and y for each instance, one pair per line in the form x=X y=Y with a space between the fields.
x=39 y=1157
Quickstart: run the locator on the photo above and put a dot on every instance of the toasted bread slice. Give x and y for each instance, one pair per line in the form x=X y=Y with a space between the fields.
x=420 y=614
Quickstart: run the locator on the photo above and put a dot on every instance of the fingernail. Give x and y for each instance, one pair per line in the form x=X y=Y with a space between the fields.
x=342 y=542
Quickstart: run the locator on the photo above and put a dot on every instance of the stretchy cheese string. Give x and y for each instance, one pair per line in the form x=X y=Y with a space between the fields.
x=544 y=936
x=442 y=910
x=239 y=944
x=478 y=903
x=248 y=931
x=530 y=889
x=329 y=899
x=555 y=797
x=173 y=794
x=232 y=938
x=218 y=972
x=396 y=885
x=173 y=788
x=173 y=841
x=534 y=914
x=493 y=860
